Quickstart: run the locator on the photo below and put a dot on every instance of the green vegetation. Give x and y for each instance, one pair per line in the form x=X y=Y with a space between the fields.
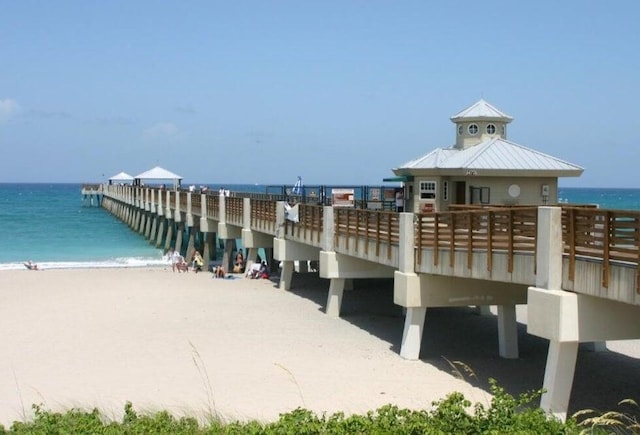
x=454 y=414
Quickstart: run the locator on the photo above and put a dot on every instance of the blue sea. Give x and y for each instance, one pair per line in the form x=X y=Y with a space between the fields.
x=48 y=224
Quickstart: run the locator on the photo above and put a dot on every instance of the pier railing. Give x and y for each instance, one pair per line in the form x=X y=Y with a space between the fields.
x=233 y=210
x=492 y=230
x=367 y=227
x=309 y=226
x=606 y=235
x=263 y=215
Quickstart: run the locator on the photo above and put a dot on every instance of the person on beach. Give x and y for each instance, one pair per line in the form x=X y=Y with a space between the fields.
x=197 y=262
x=219 y=272
x=30 y=265
x=238 y=265
x=181 y=264
x=173 y=258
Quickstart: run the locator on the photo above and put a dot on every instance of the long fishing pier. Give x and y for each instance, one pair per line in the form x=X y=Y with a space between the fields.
x=576 y=268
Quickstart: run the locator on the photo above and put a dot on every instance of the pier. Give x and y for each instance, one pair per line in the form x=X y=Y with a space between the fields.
x=576 y=268
x=91 y=195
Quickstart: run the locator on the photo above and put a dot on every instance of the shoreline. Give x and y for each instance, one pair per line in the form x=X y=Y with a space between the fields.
x=191 y=344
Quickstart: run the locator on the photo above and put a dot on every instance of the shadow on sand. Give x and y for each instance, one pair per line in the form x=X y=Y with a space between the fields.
x=601 y=379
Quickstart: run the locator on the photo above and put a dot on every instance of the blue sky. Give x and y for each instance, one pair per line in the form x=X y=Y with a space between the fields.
x=335 y=91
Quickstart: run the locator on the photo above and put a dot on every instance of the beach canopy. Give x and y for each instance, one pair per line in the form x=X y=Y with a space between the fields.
x=159 y=173
x=297 y=188
x=122 y=176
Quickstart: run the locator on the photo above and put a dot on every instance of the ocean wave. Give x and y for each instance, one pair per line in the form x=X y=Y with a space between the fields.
x=94 y=264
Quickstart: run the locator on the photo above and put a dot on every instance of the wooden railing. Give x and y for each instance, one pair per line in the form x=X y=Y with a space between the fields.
x=607 y=235
x=233 y=210
x=310 y=220
x=263 y=215
x=371 y=226
x=196 y=201
x=213 y=206
x=507 y=230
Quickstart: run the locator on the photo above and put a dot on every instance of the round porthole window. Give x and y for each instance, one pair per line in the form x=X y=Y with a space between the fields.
x=491 y=129
x=514 y=191
x=473 y=129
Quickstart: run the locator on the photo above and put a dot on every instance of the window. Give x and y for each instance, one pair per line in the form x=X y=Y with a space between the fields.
x=445 y=191
x=504 y=130
x=473 y=129
x=460 y=130
x=479 y=195
x=491 y=129
x=427 y=190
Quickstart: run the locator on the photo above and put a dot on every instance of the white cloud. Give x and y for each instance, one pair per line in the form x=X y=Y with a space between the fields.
x=162 y=129
x=8 y=108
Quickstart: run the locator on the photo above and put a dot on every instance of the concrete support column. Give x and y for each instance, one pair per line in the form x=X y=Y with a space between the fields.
x=209 y=247
x=558 y=377
x=179 y=236
x=412 y=334
x=191 y=243
x=286 y=275
x=227 y=254
x=168 y=240
x=151 y=234
x=415 y=315
x=160 y=235
x=507 y=331
x=334 y=301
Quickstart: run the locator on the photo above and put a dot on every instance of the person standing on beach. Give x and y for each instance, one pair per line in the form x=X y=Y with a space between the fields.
x=174 y=257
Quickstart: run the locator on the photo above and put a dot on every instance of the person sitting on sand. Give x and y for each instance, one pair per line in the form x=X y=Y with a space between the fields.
x=181 y=265
x=219 y=272
x=197 y=262
x=31 y=265
x=238 y=265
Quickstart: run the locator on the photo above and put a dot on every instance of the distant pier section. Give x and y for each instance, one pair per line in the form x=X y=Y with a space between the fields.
x=92 y=195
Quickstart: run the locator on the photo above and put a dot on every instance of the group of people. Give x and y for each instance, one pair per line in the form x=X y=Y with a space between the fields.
x=197 y=264
x=178 y=262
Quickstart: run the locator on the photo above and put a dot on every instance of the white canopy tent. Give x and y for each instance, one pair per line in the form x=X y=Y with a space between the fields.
x=121 y=177
x=158 y=173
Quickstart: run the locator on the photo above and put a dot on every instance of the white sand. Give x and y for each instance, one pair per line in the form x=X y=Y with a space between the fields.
x=191 y=344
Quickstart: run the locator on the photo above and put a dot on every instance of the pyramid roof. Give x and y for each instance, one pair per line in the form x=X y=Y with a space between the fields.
x=158 y=173
x=122 y=176
x=481 y=110
x=495 y=155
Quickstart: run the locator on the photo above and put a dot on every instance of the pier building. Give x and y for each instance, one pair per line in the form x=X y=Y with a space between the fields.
x=483 y=167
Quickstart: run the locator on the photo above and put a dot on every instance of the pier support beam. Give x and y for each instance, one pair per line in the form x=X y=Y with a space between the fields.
x=412 y=333
x=334 y=300
x=159 y=237
x=507 y=331
x=286 y=274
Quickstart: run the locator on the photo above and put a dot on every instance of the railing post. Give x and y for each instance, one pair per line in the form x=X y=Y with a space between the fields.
x=549 y=255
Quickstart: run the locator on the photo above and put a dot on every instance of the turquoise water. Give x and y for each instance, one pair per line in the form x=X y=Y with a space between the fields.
x=47 y=223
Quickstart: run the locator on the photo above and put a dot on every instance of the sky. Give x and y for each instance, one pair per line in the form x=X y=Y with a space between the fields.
x=338 y=92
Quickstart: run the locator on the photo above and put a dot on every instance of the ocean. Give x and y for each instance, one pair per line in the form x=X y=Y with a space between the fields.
x=48 y=224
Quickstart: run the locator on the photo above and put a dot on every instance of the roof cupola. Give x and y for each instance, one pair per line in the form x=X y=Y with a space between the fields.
x=479 y=122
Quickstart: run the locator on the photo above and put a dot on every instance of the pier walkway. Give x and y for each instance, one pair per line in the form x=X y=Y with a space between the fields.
x=576 y=268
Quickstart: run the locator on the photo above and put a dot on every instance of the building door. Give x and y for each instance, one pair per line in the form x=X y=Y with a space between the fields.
x=461 y=191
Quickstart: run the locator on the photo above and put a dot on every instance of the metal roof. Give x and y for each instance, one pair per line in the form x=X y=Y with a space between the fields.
x=122 y=176
x=495 y=154
x=158 y=173
x=481 y=110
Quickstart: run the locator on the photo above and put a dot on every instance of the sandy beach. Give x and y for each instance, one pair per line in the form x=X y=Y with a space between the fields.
x=244 y=349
